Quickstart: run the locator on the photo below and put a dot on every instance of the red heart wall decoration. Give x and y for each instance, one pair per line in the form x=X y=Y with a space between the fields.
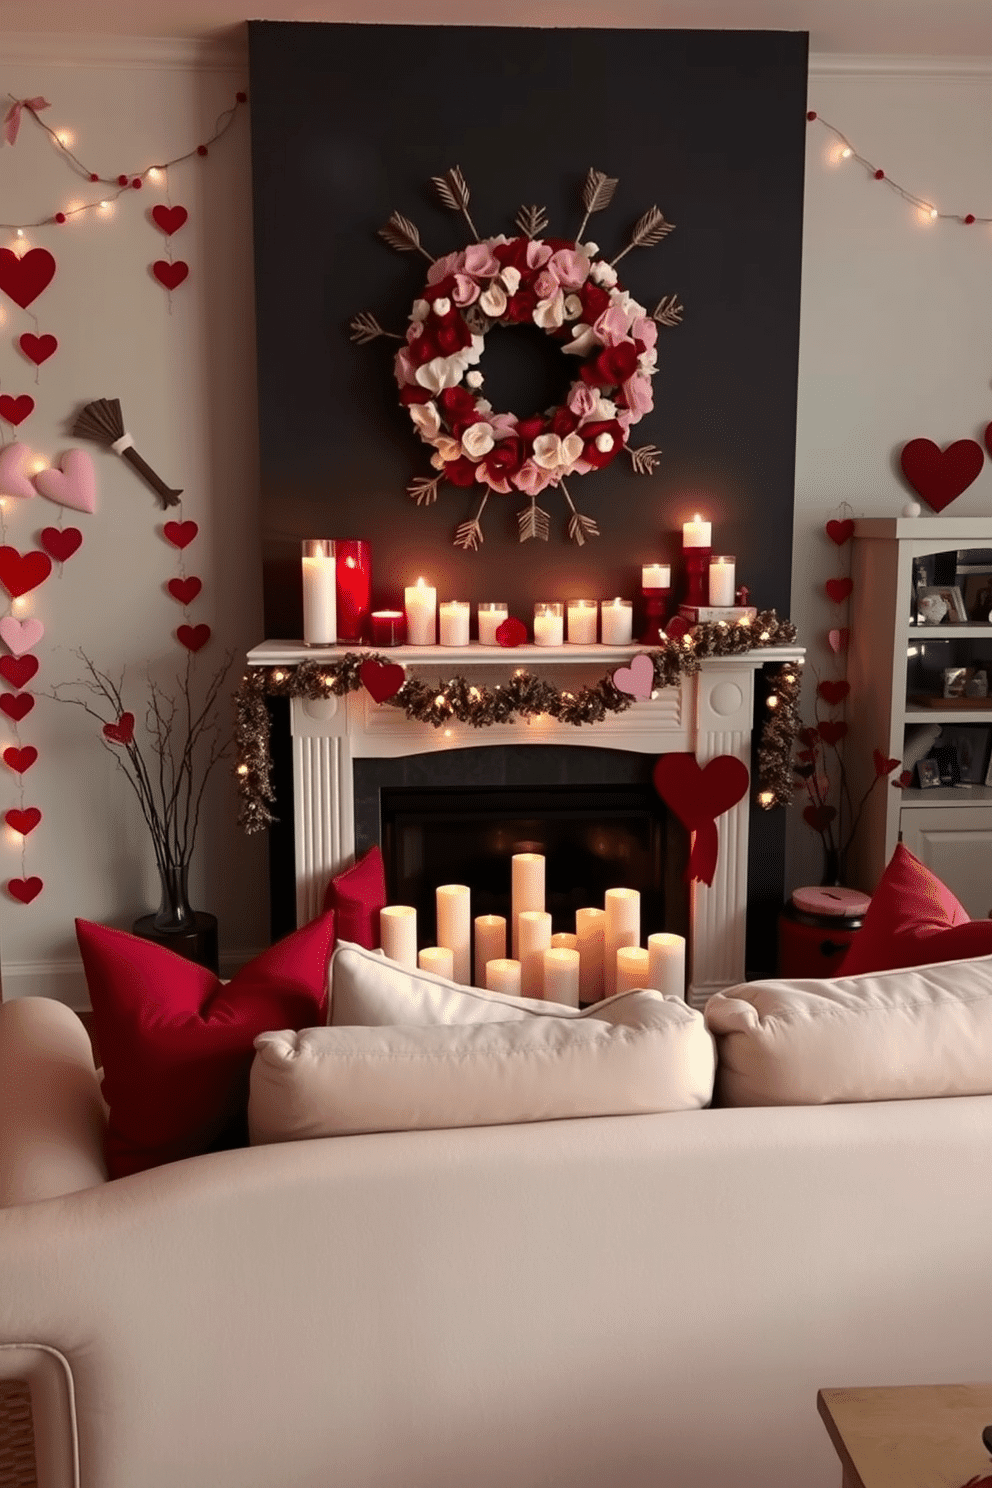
x=24 y=278
x=832 y=693
x=121 y=732
x=24 y=889
x=832 y=733
x=840 y=532
x=22 y=572
x=884 y=765
x=381 y=679
x=15 y=410
x=512 y=632
x=16 y=705
x=37 y=349
x=20 y=760
x=838 y=589
x=170 y=274
x=193 y=637
x=988 y=438
x=61 y=542
x=185 y=590
x=697 y=797
x=180 y=534
x=169 y=219
x=939 y=476
x=819 y=817
x=22 y=821
x=18 y=670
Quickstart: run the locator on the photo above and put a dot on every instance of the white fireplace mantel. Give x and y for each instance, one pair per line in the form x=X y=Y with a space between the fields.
x=710 y=714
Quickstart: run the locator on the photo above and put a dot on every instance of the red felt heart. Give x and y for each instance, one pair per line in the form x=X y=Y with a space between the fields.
x=193 y=637
x=24 y=278
x=15 y=410
x=24 y=889
x=16 y=705
x=903 y=780
x=988 y=438
x=22 y=821
x=840 y=532
x=381 y=679
x=512 y=632
x=60 y=542
x=121 y=732
x=185 y=590
x=838 y=589
x=37 y=348
x=809 y=734
x=18 y=670
x=832 y=733
x=676 y=628
x=170 y=274
x=180 y=534
x=20 y=760
x=939 y=476
x=21 y=572
x=819 y=817
x=169 y=219
x=832 y=693
x=883 y=765
x=697 y=797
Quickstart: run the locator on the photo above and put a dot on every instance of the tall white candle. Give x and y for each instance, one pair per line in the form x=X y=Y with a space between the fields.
x=617 y=622
x=534 y=931
x=492 y=613
x=503 y=976
x=398 y=934
x=320 y=605
x=656 y=576
x=454 y=927
x=549 y=624
x=582 y=617
x=589 y=926
x=697 y=533
x=666 y=963
x=632 y=968
x=722 y=569
x=622 y=928
x=490 y=944
x=438 y=959
x=561 y=976
x=454 y=622
x=420 y=603
x=564 y=940
x=526 y=889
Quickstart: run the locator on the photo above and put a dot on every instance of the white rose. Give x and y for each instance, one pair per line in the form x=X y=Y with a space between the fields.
x=420 y=311
x=571 y=448
x=493 y=301
x=590 y=249
x=442 y=306
x=548 y=451
x=478 y=440
x=573 y=306
x=474 y=379
x=584 y=340
x=510 y=279
x=550 y=314
x=604 y=274
x=447 y=448
x=604 y=443
x=605 y=408
x=647 y=362
x=426 y=419
x=442 y=372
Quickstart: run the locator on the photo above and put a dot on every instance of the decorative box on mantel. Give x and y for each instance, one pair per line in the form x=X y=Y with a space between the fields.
x=710 y=714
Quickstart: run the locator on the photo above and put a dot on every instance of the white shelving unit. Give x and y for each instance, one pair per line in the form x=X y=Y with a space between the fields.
x=948 y=828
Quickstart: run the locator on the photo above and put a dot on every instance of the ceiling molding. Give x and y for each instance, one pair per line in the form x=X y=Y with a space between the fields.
x=163 y=54
x=840 y=64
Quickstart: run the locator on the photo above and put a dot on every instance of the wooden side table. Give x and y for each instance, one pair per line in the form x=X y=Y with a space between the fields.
x=909 y=1436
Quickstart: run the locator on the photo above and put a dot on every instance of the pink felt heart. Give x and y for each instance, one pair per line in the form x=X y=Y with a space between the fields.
x=838 y=589
x=185 y=590
x=832 y=693
x=940 y=475
x=512 y=632
x=24 y=889
x=13 y=480
x=169 y=219
x=180 y=534
x=37 y=348
x=193 y=637
x=381 y=679
x=22 y=572
x=121 y=732
x=20 y=635
x=20 y=760
x=838 y=638
x=24 y=276
x=840 y=532
x=170 y=274
x=74 y=484
x=18 y=670
x=15 y=410
x=16 y=705
x=637 y=679
x=22 y=821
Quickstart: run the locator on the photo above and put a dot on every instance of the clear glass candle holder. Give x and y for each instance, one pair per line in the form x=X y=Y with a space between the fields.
x=492 y=613
x=723 y=581
x=617 y=622
x=549 y=623
x=583 y=621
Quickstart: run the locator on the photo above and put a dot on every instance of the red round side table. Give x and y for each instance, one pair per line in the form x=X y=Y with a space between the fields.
x=816 y=928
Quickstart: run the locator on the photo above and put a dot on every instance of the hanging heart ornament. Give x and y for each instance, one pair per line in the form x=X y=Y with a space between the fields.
x=698 y=796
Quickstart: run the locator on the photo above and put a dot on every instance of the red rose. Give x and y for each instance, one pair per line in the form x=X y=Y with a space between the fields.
x=452 y=334
x=460 y=472
x=564 y=421
x=594 y=301
x=457 y=403
x=528 y=429
x=423 y=349
x=521 y=306
x=591 y=432
x=459 y=425
x=504 y=459
x=439 y=291
x=410 y=395
x=513 y=253
x=613 y=365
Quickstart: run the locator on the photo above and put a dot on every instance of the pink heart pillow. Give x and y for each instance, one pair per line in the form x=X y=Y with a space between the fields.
x=914 y=919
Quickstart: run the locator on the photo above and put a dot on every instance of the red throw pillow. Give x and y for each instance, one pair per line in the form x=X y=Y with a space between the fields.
x=356 y=897
x=912 y=920
x=177 y=1042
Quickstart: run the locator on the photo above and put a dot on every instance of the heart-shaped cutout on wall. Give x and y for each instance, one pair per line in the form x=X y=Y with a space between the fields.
x=20 y=760
x=883 y=764
x=193 y=637
x=832 y=693
x=185 y=590
x=840 y=532
x=24 y=821
x=24 y=889
x=37 y=349
x=22 y=572
x=512 y=632
x=832 y=733
x=61 y=542
x=180 y=534
x=838 y=589
x=24 y=276
x=71 y=483
x=170 y=274
x=18 y=670
x=169 y=219
x=16 y=705
x=121 y=732
x=381 y=679
x=15 y=410
x=698 y=796
x=636 y=679
x=13 y=475
x=20 y=635
x=940 y=475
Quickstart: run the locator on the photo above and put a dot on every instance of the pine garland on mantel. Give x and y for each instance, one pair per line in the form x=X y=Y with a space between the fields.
x=522 y=696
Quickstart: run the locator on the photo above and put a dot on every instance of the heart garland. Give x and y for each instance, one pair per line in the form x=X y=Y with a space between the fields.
x=24 y=821
x=169 y=219
x=20 y=635
x=381 y=680
x=23 y=278
x=193 y=637
x=180 y=534
x=71 y=483
x=698 y=796
x=61 y=542
x=24 y=889
x=636 y=679
x=22 y=572
x=13 y=479
x=37 y=349
x=940 y=475
x=170 y=274
x=15 y=410
x=18 y=670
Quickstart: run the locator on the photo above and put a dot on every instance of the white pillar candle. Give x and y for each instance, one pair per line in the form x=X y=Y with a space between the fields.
x=722 y=569
x=656 y=576
x=454 y=927
x=549 y=624
x=563 y=940
x=526 y=889
x=438 y=959
x=398 y=934
x=320 y=605
x=589 y=925
x=492 y=613
x=534 y=931
x=454 y=622
x=632 y=968
x=490 y=944
x=622 y=927
x=503 y=976
x=617 y=622
x=420 y=603
x=561 y=976
x=582 y=617
x=666 y=963
x=697 y=533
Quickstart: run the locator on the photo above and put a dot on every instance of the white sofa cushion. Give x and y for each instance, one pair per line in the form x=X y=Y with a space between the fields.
x=892 y=1035
x=635 y=1053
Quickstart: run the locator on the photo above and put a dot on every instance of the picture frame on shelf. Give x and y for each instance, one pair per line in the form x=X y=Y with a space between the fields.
x=953 y=599
x=928 y=773
x=977 y=594
x=970 y=743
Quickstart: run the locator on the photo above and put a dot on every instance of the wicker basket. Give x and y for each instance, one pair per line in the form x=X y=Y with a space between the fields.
x=17 y=1463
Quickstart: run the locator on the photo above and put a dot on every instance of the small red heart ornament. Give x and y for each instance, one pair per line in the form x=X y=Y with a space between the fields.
x=169 y=219
x=24 y=889
x=16 y=705
x=381 y=679
x=884 y=765
x=832 y=693
x=838 y=639
x=22 y=821
x=15 y=410
x=838 y=589
x=697 y=797
x=636 y=679
x=61 y=542
x=22 y=572
x=23 y=278
x=903 y=780
x=988 y=438
x=940 y=475
x=185 y=590
x=121 y=732
x=193 y=637
x=819 y=817
x=512 y=632
x=840 y=532
x=180 y=534
x=37 y=349
x=832 y=733
x=18 y=670
x=20 y=760
x=677 y=627
x=170 y=274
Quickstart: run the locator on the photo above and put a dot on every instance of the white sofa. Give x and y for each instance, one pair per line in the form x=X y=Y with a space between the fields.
x=620 y=1302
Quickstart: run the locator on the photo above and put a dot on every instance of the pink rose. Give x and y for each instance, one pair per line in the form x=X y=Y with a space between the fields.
x=537 y=253
x=640 y=398
x=545 y=285
x=569 y=267
x=465 y=290
x=531 y=479
x=480 y=260
x=582 y=400
x=645 y=330
x=442 y=267
x=611 y=326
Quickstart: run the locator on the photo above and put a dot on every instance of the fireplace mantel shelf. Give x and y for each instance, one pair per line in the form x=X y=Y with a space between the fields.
x=291 y=653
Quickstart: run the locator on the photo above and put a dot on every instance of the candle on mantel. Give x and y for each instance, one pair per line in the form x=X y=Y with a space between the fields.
x=666 y=963
x=561 y=976
x=589 y=925
x=490 y=944
x=492 y=613
x=439 y=959
x=617 y=622
x=398 y=934
x=388 y=627
x=454 y=622
x=420 y=603
x=549 y=624
x=697 y=533
x=454 y=921
x=534 y=932
x=563 y=940
x=582 y=617
x=722 y=582
x=632 y=968
x=503 y=976
x=526 y=889
x=320 y=609
x=656 y=576
x=622 y=927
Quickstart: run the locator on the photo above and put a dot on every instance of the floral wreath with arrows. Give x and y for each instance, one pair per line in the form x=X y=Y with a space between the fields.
x=573 y=295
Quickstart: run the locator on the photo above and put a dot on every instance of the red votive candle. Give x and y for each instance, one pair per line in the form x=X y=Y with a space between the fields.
x=388 y=628
x=354 y=582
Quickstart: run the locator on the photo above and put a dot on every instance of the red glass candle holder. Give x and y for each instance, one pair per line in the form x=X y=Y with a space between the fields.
x=354 y=587
x=654 y=603
x=388 y=628
x=697 y=567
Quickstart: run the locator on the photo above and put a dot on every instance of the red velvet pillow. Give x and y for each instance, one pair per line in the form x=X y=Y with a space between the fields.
x=177 y=1042
x=356 y=897
x=914 y=919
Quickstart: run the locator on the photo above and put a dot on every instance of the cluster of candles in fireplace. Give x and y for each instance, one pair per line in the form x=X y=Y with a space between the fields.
x=603 y=956
x=337 y=590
